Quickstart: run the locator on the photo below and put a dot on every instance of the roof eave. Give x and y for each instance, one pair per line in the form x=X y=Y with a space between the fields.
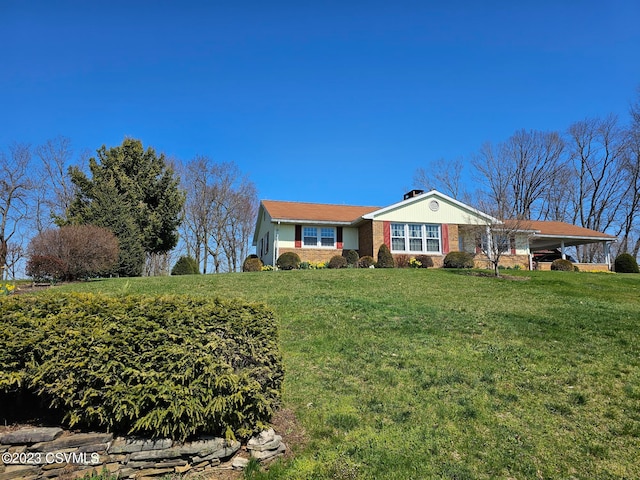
x=311 y=222
x=608 y=238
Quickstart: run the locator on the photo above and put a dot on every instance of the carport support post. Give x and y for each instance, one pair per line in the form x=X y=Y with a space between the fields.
x=607 y=253
x=562 y=249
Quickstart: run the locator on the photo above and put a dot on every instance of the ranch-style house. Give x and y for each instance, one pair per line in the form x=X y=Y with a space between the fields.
x=423 y=223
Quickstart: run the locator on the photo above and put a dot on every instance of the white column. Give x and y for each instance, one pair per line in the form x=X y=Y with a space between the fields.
x=489 y=243
x=562 y=249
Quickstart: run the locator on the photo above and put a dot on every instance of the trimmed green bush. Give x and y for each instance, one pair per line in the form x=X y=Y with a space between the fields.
x=352 y=257
x=288 y=261
x=458 y=260
x=366 y=261
x=425 y=261
x=385 y=259
x=562 y=265
x=252 y=264
x=626 y=263
x=159 y=366
x=337 y=261
x=185 y=266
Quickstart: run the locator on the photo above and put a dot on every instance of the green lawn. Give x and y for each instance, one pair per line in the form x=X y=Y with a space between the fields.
x=418 y=374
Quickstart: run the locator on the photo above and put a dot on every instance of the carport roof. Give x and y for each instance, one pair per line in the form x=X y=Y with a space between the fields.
x=551 y=234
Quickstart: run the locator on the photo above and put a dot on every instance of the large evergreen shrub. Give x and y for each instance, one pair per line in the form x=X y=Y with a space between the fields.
x=352 y=257
x=385 y=259
x=252 y=264
x=288 y=261
x=626 y=263
x=562 y=265
x=425 y=261
x=366 y=262
x=169 y=366
x=185 y=266
x=458 y=260
x=337 y=261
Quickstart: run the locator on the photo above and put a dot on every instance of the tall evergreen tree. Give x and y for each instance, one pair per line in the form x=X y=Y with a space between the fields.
x=136 y=194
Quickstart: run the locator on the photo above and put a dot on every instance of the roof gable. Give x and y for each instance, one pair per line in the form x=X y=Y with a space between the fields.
x=463 y=213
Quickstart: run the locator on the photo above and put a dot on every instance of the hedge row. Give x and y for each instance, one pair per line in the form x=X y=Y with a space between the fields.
x=170 y=366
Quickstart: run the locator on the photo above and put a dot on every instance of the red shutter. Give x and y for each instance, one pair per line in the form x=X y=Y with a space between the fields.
x=339 y=237
x=478 y=244
x=512 y=243
x=386 y=229
x=444 y=228
x=298 y=236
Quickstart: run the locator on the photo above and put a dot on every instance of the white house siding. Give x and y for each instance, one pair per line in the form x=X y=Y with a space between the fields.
x=350 y=238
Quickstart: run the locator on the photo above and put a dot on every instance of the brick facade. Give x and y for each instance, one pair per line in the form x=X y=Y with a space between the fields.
x=313 y=254
x=365 y=239
x=521 y=261
x=454 y=244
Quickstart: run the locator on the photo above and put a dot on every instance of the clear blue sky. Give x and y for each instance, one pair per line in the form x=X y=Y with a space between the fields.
x=332 y=101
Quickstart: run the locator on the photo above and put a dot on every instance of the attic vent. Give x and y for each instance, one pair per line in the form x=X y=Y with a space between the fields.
x=412 y=194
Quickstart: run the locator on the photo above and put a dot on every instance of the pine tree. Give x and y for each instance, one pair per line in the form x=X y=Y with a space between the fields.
x=134 y=193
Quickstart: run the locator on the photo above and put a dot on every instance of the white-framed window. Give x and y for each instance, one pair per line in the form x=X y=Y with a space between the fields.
x=415 y=238
x=319 y=237
x=498 y=240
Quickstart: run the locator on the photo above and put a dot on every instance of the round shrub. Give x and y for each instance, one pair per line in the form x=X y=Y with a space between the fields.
x=458 y=260
x=337 y=261
x=562 y=265
x=185 y=266
x=626 y=263
x=366 y=261
x=385 y=259
x=252 y=264
x=45 y=268
x=288 y=261
x=425 y=261
x=352 y=257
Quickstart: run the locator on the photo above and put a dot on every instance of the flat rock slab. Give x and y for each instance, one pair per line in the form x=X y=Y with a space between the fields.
x=123 y=445
x=268 y=454
x=31 y=435
x=73 y=441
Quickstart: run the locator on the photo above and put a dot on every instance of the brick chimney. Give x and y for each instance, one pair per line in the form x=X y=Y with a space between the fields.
x=413 y=193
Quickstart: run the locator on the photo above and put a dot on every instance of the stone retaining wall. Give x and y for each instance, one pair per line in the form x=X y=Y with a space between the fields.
x=50 y=452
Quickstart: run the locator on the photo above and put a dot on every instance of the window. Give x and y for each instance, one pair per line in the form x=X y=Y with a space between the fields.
x=397 y=236
x=266 y=244
x=319 y=237
x=415 y=238
x=498 y=241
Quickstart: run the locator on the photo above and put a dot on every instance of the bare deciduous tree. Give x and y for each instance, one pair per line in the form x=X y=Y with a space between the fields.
x=57 y=191
x=443 y=175
x=597 y=148
x=219 y=214
x=15 y=186
x=519 y=172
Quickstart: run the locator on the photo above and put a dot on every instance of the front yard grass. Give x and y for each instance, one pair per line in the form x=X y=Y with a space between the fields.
x=419 y=374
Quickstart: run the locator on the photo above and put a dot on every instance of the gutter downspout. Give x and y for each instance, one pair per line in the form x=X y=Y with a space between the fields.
x=276 y=245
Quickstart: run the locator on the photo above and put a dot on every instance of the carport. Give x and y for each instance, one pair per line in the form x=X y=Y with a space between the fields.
x=560 y=235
